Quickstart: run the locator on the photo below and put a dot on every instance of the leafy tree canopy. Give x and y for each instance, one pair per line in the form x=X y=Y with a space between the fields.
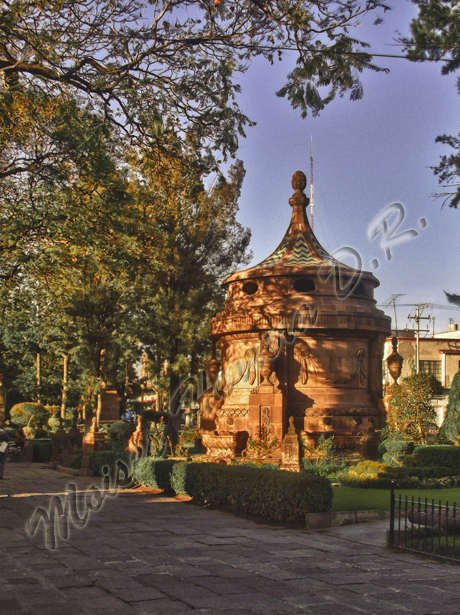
x=410 y=410
x=170 y=65
x=436 y=36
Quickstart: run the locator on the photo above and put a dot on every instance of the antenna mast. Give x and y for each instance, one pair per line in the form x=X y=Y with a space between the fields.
x=312 y=191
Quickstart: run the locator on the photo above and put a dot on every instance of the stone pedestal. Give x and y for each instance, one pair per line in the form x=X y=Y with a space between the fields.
x=93 y=441
x=138 y=443
x=290 y=450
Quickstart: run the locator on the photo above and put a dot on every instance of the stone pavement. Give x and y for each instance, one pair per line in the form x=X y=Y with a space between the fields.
x=144 y=553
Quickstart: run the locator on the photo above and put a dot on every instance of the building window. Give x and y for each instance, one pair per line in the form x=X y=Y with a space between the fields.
x=431 y=367
x=385 y=373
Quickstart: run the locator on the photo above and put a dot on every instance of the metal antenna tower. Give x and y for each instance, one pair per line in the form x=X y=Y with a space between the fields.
x=312 y=190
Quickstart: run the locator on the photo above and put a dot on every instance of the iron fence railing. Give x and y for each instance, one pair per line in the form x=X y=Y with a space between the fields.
x=425 y=527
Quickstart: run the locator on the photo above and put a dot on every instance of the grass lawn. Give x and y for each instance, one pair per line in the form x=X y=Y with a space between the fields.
x=347 y=498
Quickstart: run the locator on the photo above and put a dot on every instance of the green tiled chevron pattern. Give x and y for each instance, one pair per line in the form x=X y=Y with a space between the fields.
x=301 y=256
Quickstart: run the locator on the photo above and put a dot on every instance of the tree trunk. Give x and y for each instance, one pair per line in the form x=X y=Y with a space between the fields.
x=174 y=414
x=39 y=378
x=88 y=409
x=65 y=382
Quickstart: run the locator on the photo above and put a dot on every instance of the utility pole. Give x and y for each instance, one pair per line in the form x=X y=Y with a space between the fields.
x=417 y=319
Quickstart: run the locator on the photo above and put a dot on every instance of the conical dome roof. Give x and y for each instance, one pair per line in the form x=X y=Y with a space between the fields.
x=301 y=277
x=299 y=249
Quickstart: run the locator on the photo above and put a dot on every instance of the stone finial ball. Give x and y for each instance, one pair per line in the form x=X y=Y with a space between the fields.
x=299 y=181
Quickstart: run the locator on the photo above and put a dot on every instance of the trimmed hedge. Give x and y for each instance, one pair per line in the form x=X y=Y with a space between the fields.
x=399 y=447
x=99 y=459
x=42 y=450
x=282 y=496
x=153 y=472
x=446 y=456
x=375 y=475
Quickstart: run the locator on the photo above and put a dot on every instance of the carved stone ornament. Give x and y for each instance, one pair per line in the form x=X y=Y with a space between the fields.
x=233 y=412
x=275 y=382
x=219 y=445
x=265 y=416
x=290 y=450
x=308 y=363
x=359 y=369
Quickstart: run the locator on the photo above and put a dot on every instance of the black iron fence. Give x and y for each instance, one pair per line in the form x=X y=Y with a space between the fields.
x=421 y=526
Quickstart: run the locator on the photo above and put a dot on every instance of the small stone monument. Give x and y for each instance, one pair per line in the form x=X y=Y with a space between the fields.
x=93 y=441
x=138 y=443
x=299 y=336
x=290 y=450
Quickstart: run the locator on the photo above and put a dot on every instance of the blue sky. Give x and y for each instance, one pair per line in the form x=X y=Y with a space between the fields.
x=368 y=154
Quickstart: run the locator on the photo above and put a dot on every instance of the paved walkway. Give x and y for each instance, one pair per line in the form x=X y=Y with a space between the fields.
x=143 y=553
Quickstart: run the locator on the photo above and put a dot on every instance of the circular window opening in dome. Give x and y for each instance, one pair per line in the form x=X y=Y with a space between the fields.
x=250 y=288
x=304 y=286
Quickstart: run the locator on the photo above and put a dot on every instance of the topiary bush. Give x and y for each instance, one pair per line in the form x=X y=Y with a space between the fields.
x=153 y=473
x=67 y=423
x=282 y=496
x=440 y=455
x=398 y=452
x=32 y=417
x=399 y=447
x=119 y=433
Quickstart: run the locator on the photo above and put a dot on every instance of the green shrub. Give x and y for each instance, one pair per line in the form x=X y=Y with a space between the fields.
x=99 y=459
x=121 y=431
x=42 y=450
x=153 y=473
x=410 y=410
x=282 y=496
x=32 y=417
x=178 y=478
x=326 y=468
x=115 y=445
x=375 y=475
x=447 y=456
x=450 y=429
x=399 y=447
x=67 y=423
x=397 y=452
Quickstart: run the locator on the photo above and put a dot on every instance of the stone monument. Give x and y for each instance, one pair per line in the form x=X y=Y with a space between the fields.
x=92 y=442
x=300 y=336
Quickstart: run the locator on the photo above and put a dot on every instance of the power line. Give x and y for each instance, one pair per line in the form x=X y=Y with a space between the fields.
x=353 y=53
